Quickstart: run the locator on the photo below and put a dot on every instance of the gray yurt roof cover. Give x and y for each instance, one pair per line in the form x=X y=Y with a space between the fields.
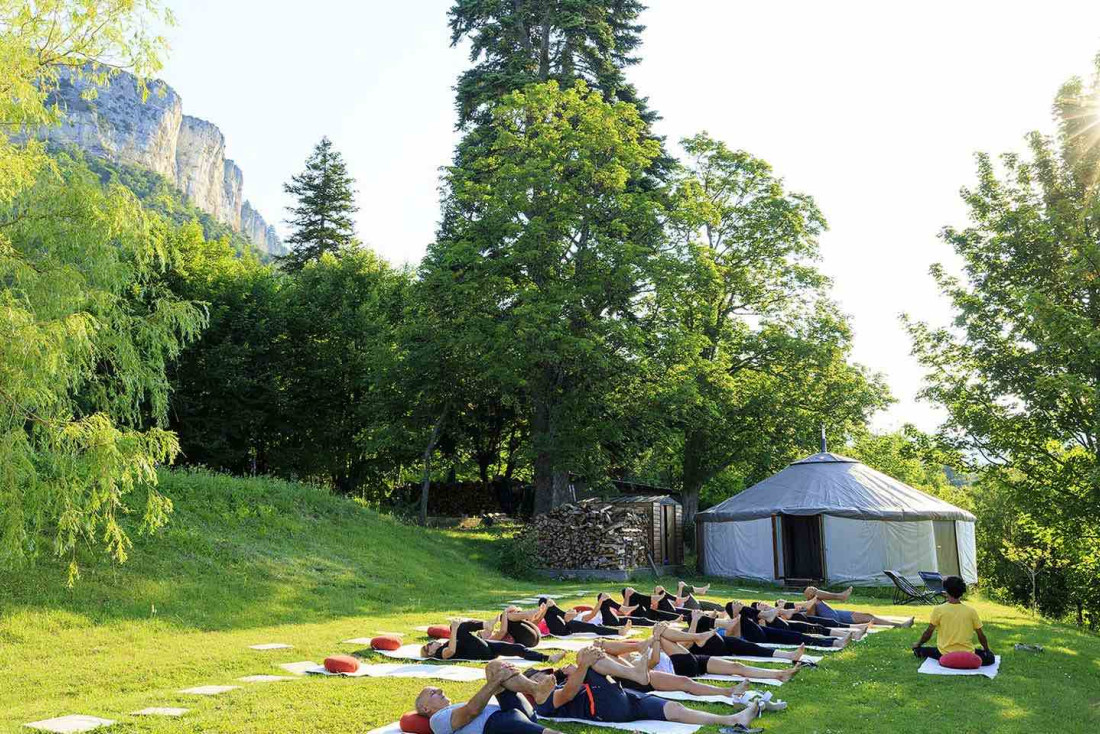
x=830 y=484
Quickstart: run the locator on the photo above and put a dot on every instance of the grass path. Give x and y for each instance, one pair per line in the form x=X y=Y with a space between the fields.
x=247 y=562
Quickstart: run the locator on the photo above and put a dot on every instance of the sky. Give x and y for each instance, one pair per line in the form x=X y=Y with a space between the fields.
x=875 y=109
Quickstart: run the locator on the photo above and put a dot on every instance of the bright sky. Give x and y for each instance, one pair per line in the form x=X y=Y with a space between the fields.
x=873 y=108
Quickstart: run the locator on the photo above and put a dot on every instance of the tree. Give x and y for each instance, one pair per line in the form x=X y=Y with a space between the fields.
x=85 y=331
x=521 y=42
x=542 y=255
x=755 y=357
x=1019 y=371
x=322 y=219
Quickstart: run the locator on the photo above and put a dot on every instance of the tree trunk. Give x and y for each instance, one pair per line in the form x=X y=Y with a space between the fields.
x=693 y=477
x=426 y=482
x=551 y=481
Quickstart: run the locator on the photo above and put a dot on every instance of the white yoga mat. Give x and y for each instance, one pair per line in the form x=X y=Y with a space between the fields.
x=739 y=678
x=647 y=725
x=740 y=700
x=758 y=659
x=270 y=646
x=322 y=670
x=594 y=636
x=933 y=667
x=438 y=672
x=412 y=652
x=559 y=644
x=777 y=646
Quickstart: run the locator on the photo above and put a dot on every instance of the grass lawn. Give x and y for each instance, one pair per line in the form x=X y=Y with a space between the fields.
x=253 y=561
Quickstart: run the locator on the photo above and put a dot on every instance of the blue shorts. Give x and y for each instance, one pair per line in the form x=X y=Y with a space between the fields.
x=837 y=615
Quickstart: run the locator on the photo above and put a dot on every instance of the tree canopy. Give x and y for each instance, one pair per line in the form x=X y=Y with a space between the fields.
x=321 y=220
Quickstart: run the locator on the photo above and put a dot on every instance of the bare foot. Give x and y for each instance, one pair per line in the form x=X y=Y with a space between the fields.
x=845 y=594
x=700 y=590
x=746 y=717
x=738 y=688
x=544 y=688
x=841 y=643
x=797 y=654
x=625 y=611
x=788 y=673
x=907 y=623
x=556 y=657
x=625 y=629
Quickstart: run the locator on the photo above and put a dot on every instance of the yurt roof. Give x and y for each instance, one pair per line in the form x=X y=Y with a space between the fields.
x=831 y=484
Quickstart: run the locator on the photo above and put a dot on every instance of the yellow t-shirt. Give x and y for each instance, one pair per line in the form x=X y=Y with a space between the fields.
x=955 y=625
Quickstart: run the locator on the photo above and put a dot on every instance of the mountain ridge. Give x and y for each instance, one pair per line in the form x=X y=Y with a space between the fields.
x=119 y=123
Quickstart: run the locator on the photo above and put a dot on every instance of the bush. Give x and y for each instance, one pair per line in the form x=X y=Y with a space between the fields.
x=519 y=555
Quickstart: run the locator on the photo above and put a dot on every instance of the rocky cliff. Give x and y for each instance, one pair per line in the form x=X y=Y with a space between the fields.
x=154 y=133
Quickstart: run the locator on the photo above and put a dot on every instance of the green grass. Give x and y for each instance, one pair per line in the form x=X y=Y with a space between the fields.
x=250 y=561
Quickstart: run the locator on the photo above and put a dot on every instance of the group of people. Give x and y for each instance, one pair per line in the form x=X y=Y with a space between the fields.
x=614 y=679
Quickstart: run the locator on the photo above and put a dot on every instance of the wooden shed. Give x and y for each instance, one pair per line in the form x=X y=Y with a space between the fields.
x=666 y=525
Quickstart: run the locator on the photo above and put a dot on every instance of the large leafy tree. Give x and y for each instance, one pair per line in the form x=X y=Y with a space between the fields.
x=1018 y=372
x=322 y=220
x=85 y=328
x=543 y=253
x=755 y=358
x=514 y=43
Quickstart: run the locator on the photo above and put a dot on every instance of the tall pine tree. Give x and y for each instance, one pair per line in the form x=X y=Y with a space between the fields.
x=322 y=220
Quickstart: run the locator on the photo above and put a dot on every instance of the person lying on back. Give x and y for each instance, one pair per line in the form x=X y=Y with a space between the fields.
x=955 y=625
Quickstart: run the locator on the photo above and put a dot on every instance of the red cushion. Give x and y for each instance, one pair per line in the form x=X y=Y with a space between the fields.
x=583 y=608
x=341 y=664
x=961 y=660
x=543 y=628
x=439 y=632
x=414 y=723
x=385 y=642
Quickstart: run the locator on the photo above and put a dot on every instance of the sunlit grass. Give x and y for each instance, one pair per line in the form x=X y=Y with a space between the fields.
x=251 y=561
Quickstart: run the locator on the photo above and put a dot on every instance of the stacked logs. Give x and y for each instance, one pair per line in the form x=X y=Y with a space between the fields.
x=591 y=534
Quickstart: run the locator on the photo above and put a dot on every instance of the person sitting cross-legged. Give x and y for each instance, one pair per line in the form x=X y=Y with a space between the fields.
x=955 y=625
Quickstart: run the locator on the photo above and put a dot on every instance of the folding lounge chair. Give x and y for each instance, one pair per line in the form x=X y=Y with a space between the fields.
x=905 y=592
x=933 y=583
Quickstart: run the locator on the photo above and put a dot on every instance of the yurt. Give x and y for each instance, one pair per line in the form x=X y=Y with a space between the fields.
x=830 y=518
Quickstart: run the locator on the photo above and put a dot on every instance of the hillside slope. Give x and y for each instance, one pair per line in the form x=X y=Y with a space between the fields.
x=249 y=561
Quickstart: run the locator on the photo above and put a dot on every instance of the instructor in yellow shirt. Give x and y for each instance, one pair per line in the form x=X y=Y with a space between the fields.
x=955 y=625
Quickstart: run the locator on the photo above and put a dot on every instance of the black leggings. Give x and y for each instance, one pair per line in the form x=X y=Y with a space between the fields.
x=555 y=622
x=609 y=610
x=753 y=632
x=690 y=665
x=524 y=633
x=471 y=646
x=707 y=606
x=612 y=703
x=925 y=651
x=728 y=646
x=805 y=628
x=645 y=608
x=516 y=716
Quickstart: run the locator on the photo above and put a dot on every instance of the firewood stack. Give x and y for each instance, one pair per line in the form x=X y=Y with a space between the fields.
x=590 y=534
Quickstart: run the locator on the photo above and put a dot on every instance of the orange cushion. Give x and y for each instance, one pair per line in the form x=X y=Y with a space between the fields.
x=583 y=608
x=414 y=723
x=385 y=642
x=439 y=632
x=961 y=660
x=341 y=664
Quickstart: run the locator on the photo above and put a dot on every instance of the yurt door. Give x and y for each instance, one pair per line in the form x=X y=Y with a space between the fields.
x=947 y=547
x=802 y=556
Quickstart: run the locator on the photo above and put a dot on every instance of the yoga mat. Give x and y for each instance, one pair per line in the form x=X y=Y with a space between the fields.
x=647 y=725
x=412 y=652
x=777 y=646
x=298 y=668
x=757 y=659
x=438 y=672
x=933 y=667
x=739 y=678
x=741 y=700
x=559 y=644
x=594 y=636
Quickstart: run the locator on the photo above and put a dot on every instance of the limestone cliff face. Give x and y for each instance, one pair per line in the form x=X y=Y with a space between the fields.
x=154 y=133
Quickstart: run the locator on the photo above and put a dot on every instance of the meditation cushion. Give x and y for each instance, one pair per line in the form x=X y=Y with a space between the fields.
x=583 y=608
x=415 y=723
x=385 y=642
x=961 y=660
x=543 y=628
x=341 y=664
x=439 y=632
